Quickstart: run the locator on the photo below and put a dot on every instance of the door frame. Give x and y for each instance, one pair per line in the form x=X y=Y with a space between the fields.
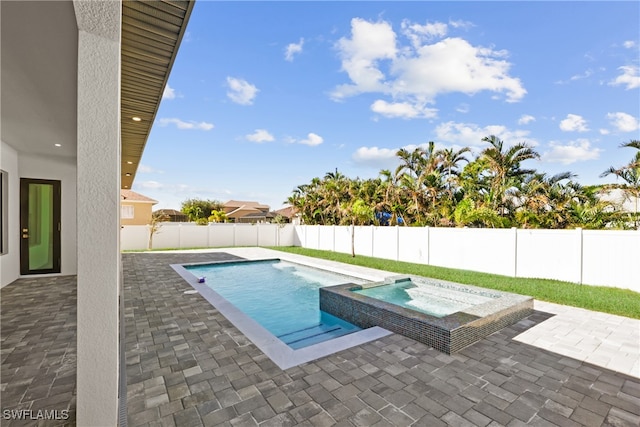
x=24 y=225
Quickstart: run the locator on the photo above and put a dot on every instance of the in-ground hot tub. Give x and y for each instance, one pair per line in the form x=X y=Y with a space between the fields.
x=444 y=315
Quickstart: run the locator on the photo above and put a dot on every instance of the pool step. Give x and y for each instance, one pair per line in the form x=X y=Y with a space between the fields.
x=314 y=334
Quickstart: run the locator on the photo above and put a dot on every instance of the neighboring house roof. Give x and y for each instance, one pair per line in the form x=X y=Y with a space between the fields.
x=242 y=209
x=259 y=215
x=235 y=204
x=288 y=211
x=171 y=212
x=132 y=196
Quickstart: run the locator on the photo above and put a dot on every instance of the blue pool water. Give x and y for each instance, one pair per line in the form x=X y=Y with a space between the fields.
x=430 y=299
x=283 y=297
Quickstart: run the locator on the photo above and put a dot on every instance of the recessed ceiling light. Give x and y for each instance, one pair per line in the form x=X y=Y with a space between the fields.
x=58 y=145
x=126 y=186
x=136 y=119
x=127 y=174
x=129 y=162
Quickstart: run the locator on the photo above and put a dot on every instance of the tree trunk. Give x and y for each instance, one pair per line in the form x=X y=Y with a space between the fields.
x=353 y=240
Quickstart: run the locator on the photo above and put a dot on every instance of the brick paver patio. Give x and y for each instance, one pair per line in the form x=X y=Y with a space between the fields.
x=38 y=351
x=188 y=366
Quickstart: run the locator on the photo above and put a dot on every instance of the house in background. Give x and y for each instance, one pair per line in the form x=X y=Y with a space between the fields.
x=247 y=212
x=135 y=209
x=81 y=82
x=172 y=215
x=290 y=214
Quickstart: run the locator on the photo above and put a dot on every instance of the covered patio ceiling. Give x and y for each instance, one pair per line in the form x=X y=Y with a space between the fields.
x=39 y=74
x=151 y=34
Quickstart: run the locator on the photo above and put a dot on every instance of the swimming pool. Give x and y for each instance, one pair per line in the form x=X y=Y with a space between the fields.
x=281 y=296
x=283 y=355
x=425 y=297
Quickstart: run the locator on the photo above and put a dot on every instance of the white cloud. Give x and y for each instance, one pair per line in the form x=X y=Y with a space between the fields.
x=461 y=24
x=574 y=151
x=148 y=169
x=418 y=34
x=584 y=75
x=629 y=44
x=403 y=110
x=454 y=65
x=463 y=108
x=525 y=119
x=149 y=185
x=369 y=43
x=604 y=132
x=180 y=124
x=292 y=49
x=378 y=158
x=630 y=77
x=470 y=134
x=419 y=72
x=260 y=135
x=169 y=92
x=575 y=77
x=623 y=122
x=240 y=91
x=574 y=123
x=386 y=158
x=312 y=140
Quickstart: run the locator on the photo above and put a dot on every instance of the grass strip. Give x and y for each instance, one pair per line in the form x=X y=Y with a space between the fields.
x=622 y=302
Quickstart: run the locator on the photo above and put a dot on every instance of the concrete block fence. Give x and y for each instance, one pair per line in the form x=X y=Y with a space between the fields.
x=594 y=257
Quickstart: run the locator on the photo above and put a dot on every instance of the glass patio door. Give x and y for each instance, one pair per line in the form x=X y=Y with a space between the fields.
x=39 y=226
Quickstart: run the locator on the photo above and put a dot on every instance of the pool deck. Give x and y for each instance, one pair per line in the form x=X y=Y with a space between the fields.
x=187 y=365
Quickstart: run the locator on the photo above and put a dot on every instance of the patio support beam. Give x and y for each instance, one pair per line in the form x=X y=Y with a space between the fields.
x=98 y=207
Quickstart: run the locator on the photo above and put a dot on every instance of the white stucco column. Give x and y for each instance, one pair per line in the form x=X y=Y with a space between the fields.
x=98 y=205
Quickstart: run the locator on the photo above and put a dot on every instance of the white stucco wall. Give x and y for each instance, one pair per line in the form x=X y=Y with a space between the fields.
x=64 y=170
x=10 y=262
x=99 y=274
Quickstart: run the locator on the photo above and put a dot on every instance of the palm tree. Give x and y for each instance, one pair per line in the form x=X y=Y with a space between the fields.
x=630 y=174
x=450 y=159
x=544 y=200
x=391 y=199
x=409 y=161
x=504 y=168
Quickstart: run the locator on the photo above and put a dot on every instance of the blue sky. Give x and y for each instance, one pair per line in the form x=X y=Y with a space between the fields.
x=264 y=96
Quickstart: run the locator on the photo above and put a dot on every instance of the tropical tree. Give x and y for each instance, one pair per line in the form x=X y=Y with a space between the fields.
x=630 y=174
x=430 y=187
x=409 y=161
x=391 y=202
x=450 y=160
x=504 y=170
x=198 y=209
x=357 y=212
x=218 y=216
x=157 y=218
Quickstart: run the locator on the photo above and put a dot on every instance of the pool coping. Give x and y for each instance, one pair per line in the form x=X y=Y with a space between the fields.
x=280 y=353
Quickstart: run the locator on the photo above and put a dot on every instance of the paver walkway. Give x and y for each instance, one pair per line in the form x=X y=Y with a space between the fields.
x=188 y=366
x=605 y=340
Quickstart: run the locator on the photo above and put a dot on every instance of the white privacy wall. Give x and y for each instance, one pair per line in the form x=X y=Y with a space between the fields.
x=550 y=254
x=611 y=257
x=189 y=235
x=486 y=250
x=602 y=257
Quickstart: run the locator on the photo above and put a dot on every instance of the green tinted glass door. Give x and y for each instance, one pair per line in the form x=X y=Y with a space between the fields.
x=40 y=226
